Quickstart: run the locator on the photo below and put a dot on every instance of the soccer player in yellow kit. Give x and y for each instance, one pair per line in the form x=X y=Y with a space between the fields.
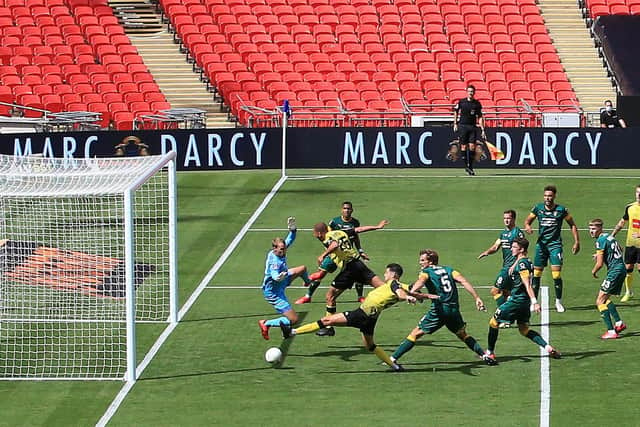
x=366 y=316
x=632 y=246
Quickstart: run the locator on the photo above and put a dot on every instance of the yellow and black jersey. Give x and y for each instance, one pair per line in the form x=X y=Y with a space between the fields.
x=382 y=297
x=346 y=250
x=632 y=216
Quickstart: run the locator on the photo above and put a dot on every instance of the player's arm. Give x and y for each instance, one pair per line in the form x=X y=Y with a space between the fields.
x=492 y=249
x=330 y=249
x=618 y=226
x=365 y=228
x=469 y=287
x=599 y=258
x=574 y=231
x=526 y=280
x=481 y=125
x=623 y=124
x=528 y=221
x=401 y=293
x=274 y=270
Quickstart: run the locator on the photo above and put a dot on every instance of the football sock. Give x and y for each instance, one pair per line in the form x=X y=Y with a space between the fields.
x=605 y=315
x=473 y=345
x=305 y=278
x=330 y=310
x=492 y=337
x=536 y=338
x=276 y=322
x=309 y=327
x=318 y=275
x=613 y=310
x=557 y=284
x=406 y=345
x=467 y=158
x=471 y=155
x=535 y=283
x=312 y=287
x=628 y=282
x=382 y=355
x=360 y=289
x=500 y=299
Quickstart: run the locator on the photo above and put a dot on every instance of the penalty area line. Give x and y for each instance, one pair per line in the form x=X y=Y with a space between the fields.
x=117 y=401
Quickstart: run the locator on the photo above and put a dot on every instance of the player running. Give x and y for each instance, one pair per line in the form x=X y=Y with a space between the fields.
x=502 y=285
x=520 y=304
x=608 y=252
x=445 y=311
x=549 y=244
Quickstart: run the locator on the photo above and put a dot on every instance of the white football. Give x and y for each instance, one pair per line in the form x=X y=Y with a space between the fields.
x=273 y=355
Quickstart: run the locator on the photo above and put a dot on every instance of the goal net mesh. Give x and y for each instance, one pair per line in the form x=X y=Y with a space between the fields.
x=62 y=263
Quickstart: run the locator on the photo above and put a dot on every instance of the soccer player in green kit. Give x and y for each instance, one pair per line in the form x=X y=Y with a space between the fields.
x=520 y=304
x=343 y=222
x=608 y=252
x=549 y=245
x=445 y=311
x=502 y=286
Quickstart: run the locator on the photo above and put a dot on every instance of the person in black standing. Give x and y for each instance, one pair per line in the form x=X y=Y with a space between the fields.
x=609 y=117
x=468 y=122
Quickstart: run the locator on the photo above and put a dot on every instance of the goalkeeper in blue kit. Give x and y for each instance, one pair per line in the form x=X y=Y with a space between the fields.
x=277 y=276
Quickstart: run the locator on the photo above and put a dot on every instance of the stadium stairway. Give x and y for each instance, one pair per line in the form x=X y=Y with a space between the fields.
x=577 y=52
x=173 y=74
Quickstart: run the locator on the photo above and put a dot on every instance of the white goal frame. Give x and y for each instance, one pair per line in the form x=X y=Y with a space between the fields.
x=50 y=178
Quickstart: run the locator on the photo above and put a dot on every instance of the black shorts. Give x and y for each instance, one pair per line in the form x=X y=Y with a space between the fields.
x=359 y=319
x=631 y=255
x=468 y=134
x=354 y=271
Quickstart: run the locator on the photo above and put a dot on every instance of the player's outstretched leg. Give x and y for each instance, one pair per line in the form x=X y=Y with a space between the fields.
x=537 y=338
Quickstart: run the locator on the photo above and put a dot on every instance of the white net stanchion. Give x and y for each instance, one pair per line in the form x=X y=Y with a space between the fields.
x=82 y=241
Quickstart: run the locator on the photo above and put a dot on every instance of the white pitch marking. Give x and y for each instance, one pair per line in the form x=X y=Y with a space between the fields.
x=111 y=410
x=545 y=380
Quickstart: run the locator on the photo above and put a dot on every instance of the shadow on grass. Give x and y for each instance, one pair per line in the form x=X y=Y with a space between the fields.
x=621 y=305
x=245 y=316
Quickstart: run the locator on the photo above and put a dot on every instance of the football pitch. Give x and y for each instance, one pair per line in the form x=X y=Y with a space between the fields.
x=210 y=371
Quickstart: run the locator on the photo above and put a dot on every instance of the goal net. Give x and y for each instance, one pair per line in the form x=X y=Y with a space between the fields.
x=87 y=251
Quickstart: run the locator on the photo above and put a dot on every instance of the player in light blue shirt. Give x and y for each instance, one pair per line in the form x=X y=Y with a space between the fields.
x=277 y=276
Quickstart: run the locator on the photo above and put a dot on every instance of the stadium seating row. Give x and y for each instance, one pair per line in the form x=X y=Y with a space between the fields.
x=73 y=55
x=612 y=7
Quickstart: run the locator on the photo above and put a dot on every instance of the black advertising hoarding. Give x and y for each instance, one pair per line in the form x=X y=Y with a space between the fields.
x=233 y=149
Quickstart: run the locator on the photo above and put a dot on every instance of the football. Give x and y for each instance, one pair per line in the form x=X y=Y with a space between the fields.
x=273 y=355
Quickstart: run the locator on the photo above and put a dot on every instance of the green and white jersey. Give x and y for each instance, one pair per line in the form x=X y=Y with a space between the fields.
x=339 y=223
x=440 y=280
x=506 y=238
x=550 y=222
x=611 y=251
x=522 y=267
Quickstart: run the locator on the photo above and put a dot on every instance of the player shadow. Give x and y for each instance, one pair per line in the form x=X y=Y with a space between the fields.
x=201 y=374
x=621 y=305
x=571 y=323
x=286 y=343
x=244 y=316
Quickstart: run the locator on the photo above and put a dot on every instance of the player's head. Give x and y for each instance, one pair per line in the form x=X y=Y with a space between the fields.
x=550 y=195
x=320 y=230
x=428 y=257
x=608 y=105
x=393 y=271
x=509 y=218
x=279 y=246
x=595 y=227
x=347 y=209
x=638 y=193
x=471 y=91
x=519 y=246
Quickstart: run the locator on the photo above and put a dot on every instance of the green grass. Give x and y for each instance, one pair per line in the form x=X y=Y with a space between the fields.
x=211 y=372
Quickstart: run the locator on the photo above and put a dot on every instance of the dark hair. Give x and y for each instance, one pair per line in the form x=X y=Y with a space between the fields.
x=431 y=254
x=522 y=242
x=395 y=269
x=551 y=188
x=510 y=212
x=347 y=203
x=609 y=101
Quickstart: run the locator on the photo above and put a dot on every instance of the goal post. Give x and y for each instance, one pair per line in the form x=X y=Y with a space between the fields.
x=87 y=255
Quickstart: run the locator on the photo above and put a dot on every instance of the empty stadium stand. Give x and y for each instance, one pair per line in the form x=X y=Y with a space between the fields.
x=378 y=58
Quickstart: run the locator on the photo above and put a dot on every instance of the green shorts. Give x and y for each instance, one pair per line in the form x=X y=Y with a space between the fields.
x=551 y=253
x=503 y=280
x=328 y=265
x=510 y=311
x=441 y=315
x=612 y=284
